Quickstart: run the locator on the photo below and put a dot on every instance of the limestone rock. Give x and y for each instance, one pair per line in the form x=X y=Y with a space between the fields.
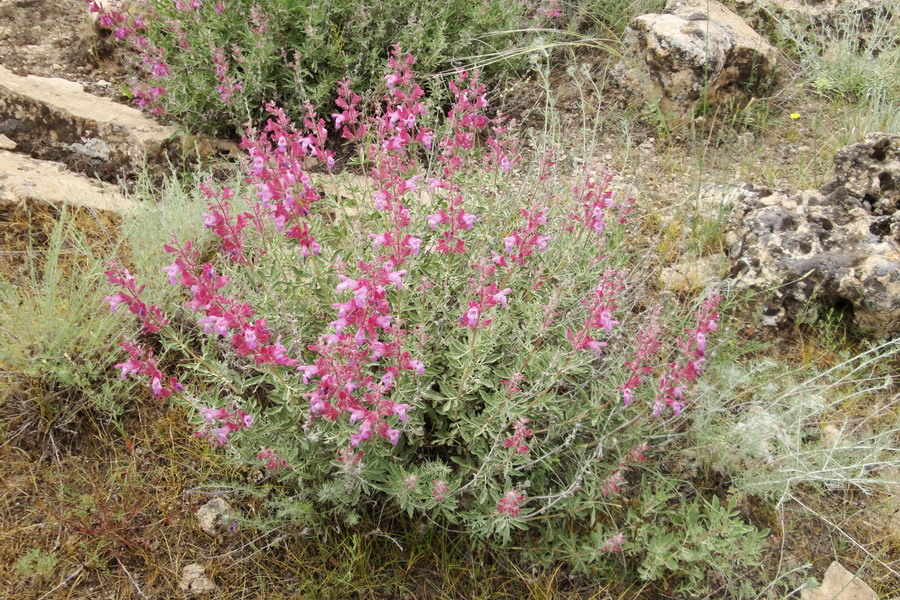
x=194 y=580
x=837 y=247
x=215 y=517
x=6 y=143
x=697 y=50
x=24 y=179
x=50 y=117
x=870 y=171
x=840 y=584
x=810 y=251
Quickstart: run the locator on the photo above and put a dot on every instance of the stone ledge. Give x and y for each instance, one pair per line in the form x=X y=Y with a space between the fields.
x=24 y=179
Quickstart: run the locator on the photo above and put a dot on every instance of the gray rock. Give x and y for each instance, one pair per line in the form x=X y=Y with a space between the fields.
x=838 y=247
x=697 y=50
x=840 y=584
x=194 y=581
x=810 y=251
x=870 y=172
x=216 y=517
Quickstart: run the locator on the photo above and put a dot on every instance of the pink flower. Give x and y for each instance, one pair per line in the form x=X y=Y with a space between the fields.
x=128 y=367
x=614 y=543
x=614 y=482
x=212 y=414
x=500 y=297
x=470 y=318
x=509 y=503
x=439 y=489
x=115 y=300
x=394 y=277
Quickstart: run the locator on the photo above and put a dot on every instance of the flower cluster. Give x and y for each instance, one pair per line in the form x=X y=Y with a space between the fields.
x=439 y=489
x=223 y=315
x=522 y=243
x=227 y=84
x=141 y=362
x=596 y=198
x=273 y=460
x=152 y=319
x=613 y=543
x=220 y=222
x=223 y=423
x=647 y=344
x=349 y=118
x=520 y=434
x=278 y=160
x=504 y=147
x=600 y=309
x=364 y=333
x=675 y=377
x=465 y=120
x=510 y=503
x=488 y=293
x=615 y=481
x=395 y=130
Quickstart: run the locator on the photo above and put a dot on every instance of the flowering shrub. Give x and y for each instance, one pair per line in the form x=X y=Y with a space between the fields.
x=213 y=64
x=462 y=341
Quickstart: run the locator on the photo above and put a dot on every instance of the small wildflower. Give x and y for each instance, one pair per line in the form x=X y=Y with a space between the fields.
x=439 y=489
x=509 y=503
x=614 y=543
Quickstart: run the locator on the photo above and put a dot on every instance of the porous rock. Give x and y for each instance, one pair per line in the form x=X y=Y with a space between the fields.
x=839 y=584
x=870 y=172
x=695 y=50
x=215 y=517
x=836 y=247
x=194 y=580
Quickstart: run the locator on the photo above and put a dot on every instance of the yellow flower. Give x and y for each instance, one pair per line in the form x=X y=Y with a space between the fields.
x=795 y=115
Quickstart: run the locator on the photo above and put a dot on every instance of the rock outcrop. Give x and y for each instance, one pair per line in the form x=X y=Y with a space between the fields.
x=24 y=179
x=696 y=51
x=837 y=247
x=56 y=119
